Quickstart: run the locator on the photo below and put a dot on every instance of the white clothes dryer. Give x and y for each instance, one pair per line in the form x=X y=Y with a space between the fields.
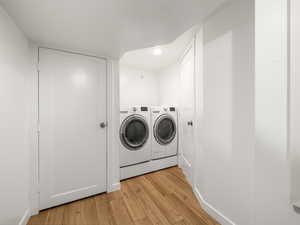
x=164 y=125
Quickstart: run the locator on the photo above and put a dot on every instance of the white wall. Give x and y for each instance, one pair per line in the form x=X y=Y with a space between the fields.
x=271 y=168
x=243 y=160
x=138 y=87
x=225 y=151
x=294 y=102
x=14 y=130
x=169 y=81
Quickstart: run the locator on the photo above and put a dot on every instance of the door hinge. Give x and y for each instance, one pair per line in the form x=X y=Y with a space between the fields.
x=38 y=67
x=38 y=129
x=37 y=188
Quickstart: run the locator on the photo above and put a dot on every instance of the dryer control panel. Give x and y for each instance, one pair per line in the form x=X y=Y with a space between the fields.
x=172 y=109
x=144 y=109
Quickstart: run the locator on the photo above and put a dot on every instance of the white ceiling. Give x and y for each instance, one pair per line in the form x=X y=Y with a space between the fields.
x=109 y=27
x=144 y=59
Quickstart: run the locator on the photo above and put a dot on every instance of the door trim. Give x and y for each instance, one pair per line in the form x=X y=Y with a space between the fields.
x=73 y=52
x=112 y=117
x=183 y=163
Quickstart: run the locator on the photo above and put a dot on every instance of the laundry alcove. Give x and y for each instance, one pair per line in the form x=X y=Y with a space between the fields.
x=154 y=82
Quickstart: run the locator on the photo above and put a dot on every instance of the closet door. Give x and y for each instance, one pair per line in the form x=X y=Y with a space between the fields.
x=187 y=112
x=72 y=105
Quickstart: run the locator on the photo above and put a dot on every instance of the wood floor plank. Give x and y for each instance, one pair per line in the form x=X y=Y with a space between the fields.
x=162 y=203
x=178 y=173
x=38 y=219
x=114 y=195
x=153 y=178
x=167 y=184
x=133 y=203
x=187 y=213
x=120 y=212
x=174 y=178
x=55 y=216
x=144 y=221
x=89 y=211
x=197 y=210
x=171 y=185
x=185 y=193
x=160 y=198
x=103 y=210
x=153 y=212
x=73 y=214
x=183 y=222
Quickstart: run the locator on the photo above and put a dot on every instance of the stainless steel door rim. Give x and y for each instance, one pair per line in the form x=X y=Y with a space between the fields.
x=134 y=132
x=164 y=129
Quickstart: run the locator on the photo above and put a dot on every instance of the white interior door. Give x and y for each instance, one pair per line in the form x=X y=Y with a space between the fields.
x=72 y=145
x=187 y=112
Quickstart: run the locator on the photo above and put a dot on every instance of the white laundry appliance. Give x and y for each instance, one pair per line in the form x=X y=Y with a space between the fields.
x=135 y=136
x=164 y=125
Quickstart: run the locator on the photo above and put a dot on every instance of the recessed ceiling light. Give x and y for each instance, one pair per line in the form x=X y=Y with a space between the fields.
x=157 y=51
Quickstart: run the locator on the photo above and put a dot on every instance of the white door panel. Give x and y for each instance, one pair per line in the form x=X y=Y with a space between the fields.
x=72 y=103
x=187 y=109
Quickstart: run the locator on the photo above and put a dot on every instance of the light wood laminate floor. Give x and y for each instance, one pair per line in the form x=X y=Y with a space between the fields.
x=160 y=198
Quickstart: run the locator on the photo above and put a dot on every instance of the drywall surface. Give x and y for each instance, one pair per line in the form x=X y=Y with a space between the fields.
x=14 y=120
x=271 y=168
x=171 y=52
x=138 y=87
x=243 y=157
x=107 y=27
x=169 y=83
x=294 y=102
x=224 y=156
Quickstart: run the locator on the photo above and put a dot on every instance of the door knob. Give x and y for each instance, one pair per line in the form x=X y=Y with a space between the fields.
x=190 y=123
x=103 y=125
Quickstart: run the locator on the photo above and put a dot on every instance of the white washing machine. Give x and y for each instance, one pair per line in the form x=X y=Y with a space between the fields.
x=164 y=132
x=135 y=136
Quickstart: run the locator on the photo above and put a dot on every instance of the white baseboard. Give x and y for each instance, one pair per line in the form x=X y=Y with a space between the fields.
x=34 y=203
x=25 y=218
x=186 y=168
x=222 y=219
x=114 y=187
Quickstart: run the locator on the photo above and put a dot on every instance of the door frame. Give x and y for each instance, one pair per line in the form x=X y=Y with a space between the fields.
x=191 y=46
x=112 y=118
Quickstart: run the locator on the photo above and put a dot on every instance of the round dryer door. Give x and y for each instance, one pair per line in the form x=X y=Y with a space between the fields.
x=164 y=129
x=134 y=132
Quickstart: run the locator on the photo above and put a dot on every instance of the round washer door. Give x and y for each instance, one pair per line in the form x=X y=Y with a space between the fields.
x=134 y=132
x=164 y=129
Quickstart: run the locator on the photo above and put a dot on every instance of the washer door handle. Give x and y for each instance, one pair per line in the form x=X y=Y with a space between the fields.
x=103 y=125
